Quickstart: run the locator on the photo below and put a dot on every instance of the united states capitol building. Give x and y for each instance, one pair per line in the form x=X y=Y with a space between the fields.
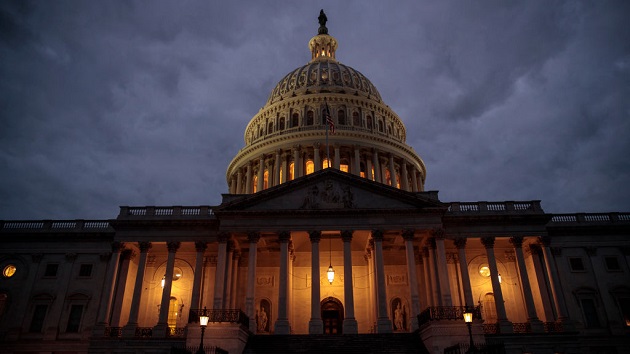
x=327 y=240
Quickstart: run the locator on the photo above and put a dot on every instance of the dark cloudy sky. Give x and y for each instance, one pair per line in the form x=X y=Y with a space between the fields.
x=110 y=103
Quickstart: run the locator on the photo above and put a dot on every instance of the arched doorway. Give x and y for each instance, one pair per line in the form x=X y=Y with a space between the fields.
x=332 y=315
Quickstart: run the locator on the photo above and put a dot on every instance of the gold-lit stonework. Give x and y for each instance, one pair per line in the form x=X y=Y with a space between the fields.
x=9 y=271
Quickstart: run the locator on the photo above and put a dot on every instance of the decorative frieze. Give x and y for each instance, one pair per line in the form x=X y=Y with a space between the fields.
x=265 y=280
x=397 y=279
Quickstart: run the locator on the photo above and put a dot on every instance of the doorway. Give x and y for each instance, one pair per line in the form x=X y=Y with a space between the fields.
x=332 y=315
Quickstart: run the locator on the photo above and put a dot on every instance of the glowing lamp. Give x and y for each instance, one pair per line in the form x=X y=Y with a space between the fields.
x=163 y=281
x=499 y=278
x=330 y=274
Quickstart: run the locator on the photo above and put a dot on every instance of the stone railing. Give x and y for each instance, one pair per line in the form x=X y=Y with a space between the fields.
x=518 y=328
x=496 y=207
x=146 y=332
x=56 y=225
x=437 y=313
x=203 y=211
x=583 y=218
x=223 y=315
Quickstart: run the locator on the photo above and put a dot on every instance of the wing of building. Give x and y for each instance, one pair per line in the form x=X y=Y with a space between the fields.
x=326 y=241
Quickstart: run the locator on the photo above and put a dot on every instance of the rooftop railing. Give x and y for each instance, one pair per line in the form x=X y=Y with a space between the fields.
x=584 y=218
x=496 y=207
x=203 y=211
x=56 y=225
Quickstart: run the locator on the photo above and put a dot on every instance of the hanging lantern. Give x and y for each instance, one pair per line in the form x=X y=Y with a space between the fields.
x=163 y=281
x=331 y=274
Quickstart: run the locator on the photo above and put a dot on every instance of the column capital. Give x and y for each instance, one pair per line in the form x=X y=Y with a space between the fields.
x=223 y=236
x=71 y=257
x=127 y=254
x=460 y=242
x=517 y=241
x=488 y=242
x=117 y=246
x=173 y=246
x=408 y=234
x=346 y=235
x=231 y=245
x=545 y=241
x=201 y=246
x=535 y=249
x=144 y=246
x=438 y=233
x=284 y=236
x=377 y=235
x=253 y=236
x=315 y=236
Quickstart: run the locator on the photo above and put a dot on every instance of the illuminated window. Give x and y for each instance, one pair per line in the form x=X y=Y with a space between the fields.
x=291 y=171
x=344 y=167
x=9 y=271
x=282 y=176
x=362 y=174
x=373 y=174
x=173 y=312
x=266 y=179
x=325 y=163
x=388 y=177
x=254 y=184
x=398 y=180
x=310 y=167
x=484 y=271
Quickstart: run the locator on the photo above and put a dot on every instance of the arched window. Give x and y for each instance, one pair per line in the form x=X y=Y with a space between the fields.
x=363 y=170
x=291 y=170
x=309 y=118
x=388 y=177
x=281 y=124
x=173 y=312
x=266 y=179
x=344 y=166
x=325 y=163
x=369 y=122
x=310 y=167
x=270 y=128
x=489 y=308
x=262 y=132
x=397 y=180
x=255 y=183
x=295 y=120
x=356 y=120
x=341 y=117
x=380 y=126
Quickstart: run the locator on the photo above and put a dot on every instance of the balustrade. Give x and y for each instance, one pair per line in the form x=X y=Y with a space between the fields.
x=436 y=313
x=174 y=211
x=224 y=315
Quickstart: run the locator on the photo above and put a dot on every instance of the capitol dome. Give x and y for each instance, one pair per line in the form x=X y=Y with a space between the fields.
x=289 y=138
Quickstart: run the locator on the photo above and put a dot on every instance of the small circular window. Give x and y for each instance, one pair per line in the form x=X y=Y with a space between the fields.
x=8 y=271
x=484 y=271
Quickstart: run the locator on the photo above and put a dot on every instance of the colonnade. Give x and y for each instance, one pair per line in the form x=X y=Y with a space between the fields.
x=268 y=170
x=436 y=285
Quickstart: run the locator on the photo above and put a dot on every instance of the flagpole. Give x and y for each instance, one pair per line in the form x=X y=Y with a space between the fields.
x=327 y=147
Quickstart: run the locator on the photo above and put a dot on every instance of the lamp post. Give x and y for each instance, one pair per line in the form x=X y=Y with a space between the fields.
x=468 y=317
x=203 y=322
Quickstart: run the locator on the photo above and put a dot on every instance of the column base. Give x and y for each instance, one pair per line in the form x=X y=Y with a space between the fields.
x=160 y=330
x=282 y=327
x=350 y=326
x=315 y=326
x=129 y=331
x=537 y=326
x=384 y=325
x=505 y=326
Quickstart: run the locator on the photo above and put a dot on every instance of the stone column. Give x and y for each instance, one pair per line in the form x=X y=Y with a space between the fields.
x=357 y=164
x=195 y=303
x=250 y=297
x=384 y=323
x=414 y=180
x=276 y=168
x=427 y=276
x=239 y=181
x=349 y=322
x=284 y=168
x=18 y=309
x=392 y=171
x=282 y=325
x=368 y=166
x=436 y=294
x=108 y=290
x=261 y=173
x=119 y=298
x=315 y=324
x=219 y=279
x=248 y=183
x=408 y=236
x=542 y=282
x=556 y=288
x=505 y=326
x=51 y=324
x=236 y=256
x=129 y=331
x=445 y=287
x=370 y=277
x=317 y=161
x=337 y=162
x=296 y=162
x=460 y=243
x=159 y=331
x=405 y=177
x=377 y=166
x=532 y=318
x=227 y=283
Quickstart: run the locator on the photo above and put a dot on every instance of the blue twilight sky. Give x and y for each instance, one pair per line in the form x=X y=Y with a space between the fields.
x=110 y=103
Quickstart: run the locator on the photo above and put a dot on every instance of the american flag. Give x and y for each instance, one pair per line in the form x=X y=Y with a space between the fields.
x=329 y=120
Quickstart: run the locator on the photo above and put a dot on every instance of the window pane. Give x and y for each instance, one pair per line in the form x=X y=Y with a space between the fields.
x=74 y=320
x=612 y=263
x=51 y=270
x=38 y=318
x=85 y=270
x=576 y=264
x=590 y=313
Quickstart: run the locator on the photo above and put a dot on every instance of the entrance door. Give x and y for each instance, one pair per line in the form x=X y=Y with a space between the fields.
x=332 y=315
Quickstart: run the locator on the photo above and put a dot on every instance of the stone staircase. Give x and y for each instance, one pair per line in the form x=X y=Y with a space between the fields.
x=397 y=343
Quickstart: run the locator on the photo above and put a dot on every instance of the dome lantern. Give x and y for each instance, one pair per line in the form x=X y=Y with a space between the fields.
x=322 y=46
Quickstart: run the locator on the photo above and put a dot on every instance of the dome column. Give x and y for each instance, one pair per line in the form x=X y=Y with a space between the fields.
x=414 y=180
x=296 y=162
x=368 y=166
x=403 y=174
x=261 y=171
x=377 y=167
x=239 y=181
x=276 y=168
x=357 y=161
x=248 y=183
x=316 y=159
x=337 y=162
x=392 y=171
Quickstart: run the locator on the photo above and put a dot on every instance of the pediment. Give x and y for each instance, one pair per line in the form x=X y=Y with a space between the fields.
x=329 y=190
